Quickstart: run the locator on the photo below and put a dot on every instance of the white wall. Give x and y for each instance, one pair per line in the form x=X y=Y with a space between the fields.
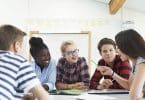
x=137 y=18
x=14 y=12
x=68 y=16
x=74 y=16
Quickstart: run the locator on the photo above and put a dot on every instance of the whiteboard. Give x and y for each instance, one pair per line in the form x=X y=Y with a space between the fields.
x=54 y=41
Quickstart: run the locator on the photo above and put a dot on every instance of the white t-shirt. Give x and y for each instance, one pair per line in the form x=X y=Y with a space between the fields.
x=138 y=61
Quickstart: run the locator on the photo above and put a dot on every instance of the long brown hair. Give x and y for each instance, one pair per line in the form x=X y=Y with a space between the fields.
x=131 y=43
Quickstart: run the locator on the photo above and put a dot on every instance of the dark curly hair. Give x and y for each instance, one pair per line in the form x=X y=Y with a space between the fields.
x=36 y=45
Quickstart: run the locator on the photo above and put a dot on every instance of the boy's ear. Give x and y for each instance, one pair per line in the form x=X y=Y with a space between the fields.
x=16 y=46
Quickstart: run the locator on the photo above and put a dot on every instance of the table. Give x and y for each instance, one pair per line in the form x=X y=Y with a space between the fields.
x=69 y=97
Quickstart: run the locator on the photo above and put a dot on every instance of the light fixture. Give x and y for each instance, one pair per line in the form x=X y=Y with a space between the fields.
x=115 y=5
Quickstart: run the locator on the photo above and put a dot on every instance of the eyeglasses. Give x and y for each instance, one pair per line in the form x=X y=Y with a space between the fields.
x=72 y=52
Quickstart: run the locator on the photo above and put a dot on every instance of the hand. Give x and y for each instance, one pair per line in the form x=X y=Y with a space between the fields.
x=80 y=85
x=105 y=84
x=28 y=96
x=105 y=70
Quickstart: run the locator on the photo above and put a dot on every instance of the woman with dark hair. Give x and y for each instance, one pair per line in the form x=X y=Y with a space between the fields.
x=131 y=45
x=43 y=65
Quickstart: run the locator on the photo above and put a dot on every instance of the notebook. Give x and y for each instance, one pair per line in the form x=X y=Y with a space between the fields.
x=108 y=91
x=66 y=92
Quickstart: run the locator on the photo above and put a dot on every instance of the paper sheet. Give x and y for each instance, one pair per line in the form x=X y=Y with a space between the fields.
x=94 y=97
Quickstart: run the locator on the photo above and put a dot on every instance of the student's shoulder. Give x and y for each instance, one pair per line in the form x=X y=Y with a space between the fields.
x=22 y=58
x=122 y=63
x=53 y=60
x=17 y=57
x=82 y=58
x=62 y=60
x=101 y=62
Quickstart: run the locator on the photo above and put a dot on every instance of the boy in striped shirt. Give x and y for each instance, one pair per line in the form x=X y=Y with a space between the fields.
x=16 y=74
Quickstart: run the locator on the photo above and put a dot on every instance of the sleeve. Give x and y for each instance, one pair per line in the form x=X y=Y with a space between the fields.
x=26 y=78
x=33 y=65
x=84 y=72
x=125 y=69
x=59 y=72
x=95 y=79
x=52 y=75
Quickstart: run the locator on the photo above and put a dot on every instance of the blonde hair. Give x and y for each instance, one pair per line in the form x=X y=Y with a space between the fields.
x=65 y=44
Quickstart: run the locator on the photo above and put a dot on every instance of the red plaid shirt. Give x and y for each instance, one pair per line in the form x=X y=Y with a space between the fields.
x=120 y=67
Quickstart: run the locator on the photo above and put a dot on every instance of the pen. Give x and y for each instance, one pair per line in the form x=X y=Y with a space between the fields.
x=113 y=80
x=94 y=62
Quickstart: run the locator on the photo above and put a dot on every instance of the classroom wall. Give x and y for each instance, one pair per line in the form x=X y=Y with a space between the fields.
x=68 y=16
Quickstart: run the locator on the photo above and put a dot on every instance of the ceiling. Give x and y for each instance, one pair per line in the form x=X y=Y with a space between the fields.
x=137 y=5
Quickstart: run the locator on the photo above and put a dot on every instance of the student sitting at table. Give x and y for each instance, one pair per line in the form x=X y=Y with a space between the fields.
x=131 y=45
x=43 y=65
x=72 y=70
x=16 y=74
x=110 y=59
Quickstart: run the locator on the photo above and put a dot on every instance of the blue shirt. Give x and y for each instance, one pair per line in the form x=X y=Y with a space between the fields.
x=47 y=75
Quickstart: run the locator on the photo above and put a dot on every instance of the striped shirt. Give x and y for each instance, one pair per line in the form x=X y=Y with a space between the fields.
x=72 y=73
x=16 y=76
x=47 y=75
x=122 y=68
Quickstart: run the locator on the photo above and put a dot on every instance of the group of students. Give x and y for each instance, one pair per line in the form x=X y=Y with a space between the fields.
x=17 y=75
x=71 y=71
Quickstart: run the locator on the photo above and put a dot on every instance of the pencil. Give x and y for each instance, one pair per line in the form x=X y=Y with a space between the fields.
x=94 y=62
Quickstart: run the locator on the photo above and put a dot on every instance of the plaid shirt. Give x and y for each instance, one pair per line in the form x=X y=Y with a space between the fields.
x=72 y=73
x=122 y=68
